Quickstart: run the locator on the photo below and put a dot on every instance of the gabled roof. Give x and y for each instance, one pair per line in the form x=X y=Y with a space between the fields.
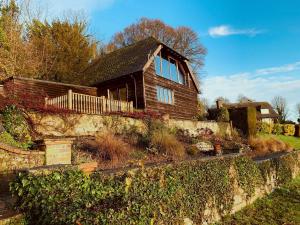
x=126 y=60
x=260 y=105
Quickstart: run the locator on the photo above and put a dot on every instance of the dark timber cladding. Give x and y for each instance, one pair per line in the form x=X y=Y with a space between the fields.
x=52 y=89
x=129 y=74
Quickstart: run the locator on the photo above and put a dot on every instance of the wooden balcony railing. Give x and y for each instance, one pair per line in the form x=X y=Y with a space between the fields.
x=88 y=104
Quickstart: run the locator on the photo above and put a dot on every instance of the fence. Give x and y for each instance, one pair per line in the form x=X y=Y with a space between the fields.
x=88 y=104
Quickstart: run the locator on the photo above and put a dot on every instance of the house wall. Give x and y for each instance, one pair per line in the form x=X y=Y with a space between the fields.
x=122 y=82
x=52 y=89
x=185 y=106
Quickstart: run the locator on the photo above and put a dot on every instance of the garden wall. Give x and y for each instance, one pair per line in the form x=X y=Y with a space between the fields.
x=198 y=191
x=83 y=124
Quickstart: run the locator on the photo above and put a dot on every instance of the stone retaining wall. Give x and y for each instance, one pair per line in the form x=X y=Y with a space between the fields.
x=83 y=124
x=12 y=159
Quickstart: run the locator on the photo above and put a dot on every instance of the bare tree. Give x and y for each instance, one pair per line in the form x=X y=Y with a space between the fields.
x=279 y=103
x=242 y=99
x=183 y=39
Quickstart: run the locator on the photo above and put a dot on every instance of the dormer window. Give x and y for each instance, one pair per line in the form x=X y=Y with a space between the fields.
x=265 y=111
x=169 y=69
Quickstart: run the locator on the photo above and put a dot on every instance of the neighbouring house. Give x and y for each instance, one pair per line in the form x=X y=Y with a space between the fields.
x=264 y=111
x=150 y=74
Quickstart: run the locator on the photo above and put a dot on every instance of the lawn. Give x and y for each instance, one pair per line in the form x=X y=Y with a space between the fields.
x=280 y=207
x=293 y=141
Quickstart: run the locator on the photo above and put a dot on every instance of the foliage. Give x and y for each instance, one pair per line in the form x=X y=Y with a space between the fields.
x=251 y=121
x=263 y=146
x=167 y=144
x=293 y=141
x=112 y=148
x=67 y=48
x=8 y=139
x=277 y=129
x=202 y=109
x=289 y=129
x=223 y=115
x=182 y=39
x=164 y=194
x=264 y=127
x=16 y=125
x=280 y=207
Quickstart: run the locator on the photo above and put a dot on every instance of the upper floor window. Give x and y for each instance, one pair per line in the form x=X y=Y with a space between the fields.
x=264 y=111
x=168 y=69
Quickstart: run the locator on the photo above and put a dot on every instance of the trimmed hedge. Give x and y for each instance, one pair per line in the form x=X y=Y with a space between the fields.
x=159 y=195
x=289 y=129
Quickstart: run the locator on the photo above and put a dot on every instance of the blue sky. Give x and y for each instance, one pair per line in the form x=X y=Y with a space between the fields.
x=253 y=46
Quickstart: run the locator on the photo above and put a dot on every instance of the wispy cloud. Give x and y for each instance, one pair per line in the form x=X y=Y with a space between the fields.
x=260 y=85
x=280 y=69
x=226 y=30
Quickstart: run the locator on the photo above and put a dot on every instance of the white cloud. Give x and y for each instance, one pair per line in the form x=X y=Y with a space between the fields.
x=280 y=69
x=226 y=30
x=260 y=88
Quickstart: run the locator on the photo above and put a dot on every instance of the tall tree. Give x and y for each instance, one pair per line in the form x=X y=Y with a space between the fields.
x=279 y=103
x=16 y=56
x=64 y=47
x=183 y=39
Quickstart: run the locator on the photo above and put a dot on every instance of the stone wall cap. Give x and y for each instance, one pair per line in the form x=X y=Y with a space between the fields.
x=20 y=151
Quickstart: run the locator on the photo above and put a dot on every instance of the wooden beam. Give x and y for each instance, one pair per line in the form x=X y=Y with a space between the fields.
x=150 y=60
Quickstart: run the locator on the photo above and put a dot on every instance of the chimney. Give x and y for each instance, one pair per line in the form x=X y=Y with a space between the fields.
x=219 y=103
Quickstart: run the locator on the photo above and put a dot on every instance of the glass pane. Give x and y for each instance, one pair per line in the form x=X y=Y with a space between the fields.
x=157 y=65
x=173 y=70
x=171 y=97
x=165 y=69
x=181 y=77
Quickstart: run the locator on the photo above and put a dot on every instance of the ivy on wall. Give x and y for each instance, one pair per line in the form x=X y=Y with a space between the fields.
x=158 y=195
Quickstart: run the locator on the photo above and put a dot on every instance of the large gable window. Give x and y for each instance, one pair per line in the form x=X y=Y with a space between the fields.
x=165 y=95
x=168 y=69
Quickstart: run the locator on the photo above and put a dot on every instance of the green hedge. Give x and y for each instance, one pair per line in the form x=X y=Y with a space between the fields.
x=159 y=195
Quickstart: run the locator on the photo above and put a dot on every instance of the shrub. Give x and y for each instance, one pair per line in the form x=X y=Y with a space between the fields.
x=277 y=129
x=223 y=115
x=110 y=147
x=289 y=129
x=266 y=128
x=166 y=143
x=15 y=123
x=251 y=121
x=8 y=139
x=165 y=194
x=262 y=147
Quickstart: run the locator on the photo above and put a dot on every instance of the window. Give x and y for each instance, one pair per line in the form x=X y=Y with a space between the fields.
x=168 y=69
x=164 y=95
x=264 y=111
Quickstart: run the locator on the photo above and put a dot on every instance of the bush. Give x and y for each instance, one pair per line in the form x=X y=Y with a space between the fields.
x=164 y=194
x=277 y=129
x=262 y=147
x=223 y=115
x=15 y=123
x=251 y=121
x=166 y=143
x=9 y=140
x=288 y=129
x=266 y=128
x=109 y=147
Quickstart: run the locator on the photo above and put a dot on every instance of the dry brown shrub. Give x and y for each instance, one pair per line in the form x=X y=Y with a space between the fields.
x=167 y=143
x=262 y=147
x=111 y=147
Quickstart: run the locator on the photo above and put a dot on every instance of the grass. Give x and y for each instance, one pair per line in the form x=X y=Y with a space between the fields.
x=293 y=141
x=280 y=207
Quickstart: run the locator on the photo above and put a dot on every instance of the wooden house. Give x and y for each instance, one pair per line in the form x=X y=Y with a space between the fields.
x=150 y=74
